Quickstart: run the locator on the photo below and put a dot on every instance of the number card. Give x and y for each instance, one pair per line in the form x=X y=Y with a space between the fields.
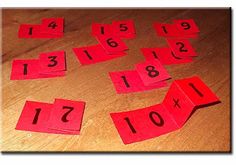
x=166 y=30
x=52 y=62
x=187 y=27
x=34 y=117
x=94 y=54
x=181 y=48
x=112 y=44
x=54 y=26
x=130 y=81
x=165 y=55
x=124 y=29
x=141 y=124
x=101 y=29
x=67 y=115
x=152 y=72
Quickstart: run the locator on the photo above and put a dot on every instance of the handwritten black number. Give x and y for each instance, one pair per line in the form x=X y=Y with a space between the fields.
x=161 y=121
x=102 y=30
x=53 y=60
x=53 y=25
x=130 y=125
x=164 y=29
x=25 y=69
x=125 y=81
x=195 y=89
x=185 y=25
x=151 y=71
x=30 y=31
x=88 y=55
x=64 y=117
x=112 y=43
x=38 y=110
x=123 y=27
x=181 y=48
x=154 y=54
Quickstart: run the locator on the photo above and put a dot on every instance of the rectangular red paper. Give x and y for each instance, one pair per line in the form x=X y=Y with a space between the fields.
x=124 y=28
x=112 y=44
x=141 y=124
x=186 y=26
x=66 y=115
x=165 y=55
x=181 y=48
x=152 y=72
x=101 y=29
x=53 y=26
x=94 y=54
x=130 y=81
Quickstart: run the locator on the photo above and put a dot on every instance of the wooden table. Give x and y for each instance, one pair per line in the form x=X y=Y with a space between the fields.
x=207 y=130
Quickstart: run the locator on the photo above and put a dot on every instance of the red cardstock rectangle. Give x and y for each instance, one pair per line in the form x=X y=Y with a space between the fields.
x=186 y=26
x=141 y=124
x=130 y=81
x=52 y=26
x=124 y=28
x=99 y=29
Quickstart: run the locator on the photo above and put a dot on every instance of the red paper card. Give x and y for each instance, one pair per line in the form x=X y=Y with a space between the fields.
x=166 y=30
x=141 y=124
x=53 y=26
x=34 y=117
x=124 y=29
x=198 y=92
x=165 y=55
x=52 y=62
x=66 y=115
x=181 y=47
x=130 y=81
x=112 y=44
x=94 y=54
x=101 y=29
x=33 y=31
x=187 y=26
x=152 y=72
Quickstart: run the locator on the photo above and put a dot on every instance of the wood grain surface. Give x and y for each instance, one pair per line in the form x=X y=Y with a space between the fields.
x=208 y=129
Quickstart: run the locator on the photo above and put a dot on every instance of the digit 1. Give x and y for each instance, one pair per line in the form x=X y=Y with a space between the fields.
x=102 y=30
x=130 y=125
x=25 y=69
x=30 y=31
x=88 y=55
x=195 y=89
x=125 y=81
x=164 y=29
x=154 y=54
x=160 y=123
x=36 y=116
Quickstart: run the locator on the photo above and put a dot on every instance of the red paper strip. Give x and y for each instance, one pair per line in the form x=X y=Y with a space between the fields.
x=101 y=29
x=112 y=44
x=187 y=26
x=52 y=62
x=94 y=54
x=52 y=26
x=181 y=47
x=124 y=29
x=130 y=81
x=142 y=124
x=165 y=55
x=66 y=115
x=152 y=72
x=34 y=117
x=33 y=31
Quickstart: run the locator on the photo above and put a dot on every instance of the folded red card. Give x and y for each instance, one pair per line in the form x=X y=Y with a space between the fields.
x=34 y=117
x=30 y=69
x=66 y=115
x=130 y=81
x=165 y=55
x=124 y=29
x=112 y=44
x=152 y=72
x=33 y=31
x=187 y=26
x=53 y=26
x=101 y=29
x=181 y=47
x=52 y=62
x=141 y=124
x=94 y=54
